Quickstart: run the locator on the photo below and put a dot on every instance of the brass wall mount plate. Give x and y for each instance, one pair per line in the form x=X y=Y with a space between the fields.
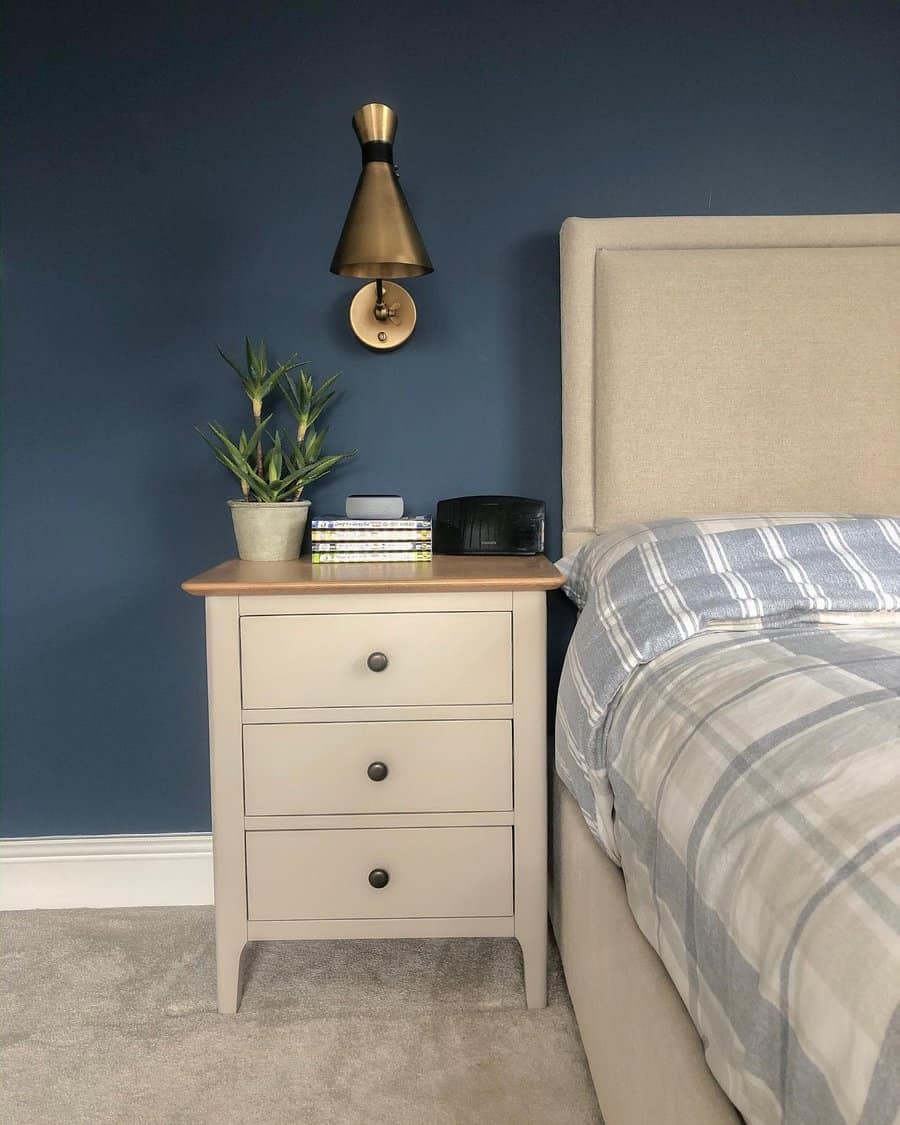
x=396 y=329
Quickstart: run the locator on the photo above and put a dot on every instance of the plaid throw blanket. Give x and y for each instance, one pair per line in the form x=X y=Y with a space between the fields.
x=750 y=749
x=645 y=588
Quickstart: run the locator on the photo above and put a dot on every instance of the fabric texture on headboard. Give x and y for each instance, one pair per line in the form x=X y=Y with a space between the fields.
x=723 y=365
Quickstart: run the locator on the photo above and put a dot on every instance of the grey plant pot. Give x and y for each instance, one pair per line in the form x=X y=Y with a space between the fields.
x=268 y=532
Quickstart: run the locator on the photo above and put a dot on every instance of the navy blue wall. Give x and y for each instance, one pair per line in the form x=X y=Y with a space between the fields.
x=176 y=176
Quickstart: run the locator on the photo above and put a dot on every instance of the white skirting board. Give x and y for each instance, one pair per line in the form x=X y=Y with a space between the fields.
x=66 y=872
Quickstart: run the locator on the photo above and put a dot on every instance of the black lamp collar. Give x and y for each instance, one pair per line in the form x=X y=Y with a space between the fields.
x=373 y=151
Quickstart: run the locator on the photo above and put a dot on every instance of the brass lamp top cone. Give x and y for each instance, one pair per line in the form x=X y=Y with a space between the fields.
x=380 y=238
x=375 y=122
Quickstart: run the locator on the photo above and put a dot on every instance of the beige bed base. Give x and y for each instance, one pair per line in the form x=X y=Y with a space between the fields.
x=710 y=365
x=645 y=1056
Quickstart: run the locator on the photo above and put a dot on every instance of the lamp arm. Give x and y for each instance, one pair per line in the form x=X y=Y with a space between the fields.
x=382 y=312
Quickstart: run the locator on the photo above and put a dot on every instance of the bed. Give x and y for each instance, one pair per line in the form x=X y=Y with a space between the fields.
x=711 y=366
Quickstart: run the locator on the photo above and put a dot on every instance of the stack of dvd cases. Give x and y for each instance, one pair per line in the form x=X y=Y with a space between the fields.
x=340 y=540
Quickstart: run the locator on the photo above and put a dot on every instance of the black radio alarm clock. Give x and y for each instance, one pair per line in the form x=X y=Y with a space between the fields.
x=489 y=525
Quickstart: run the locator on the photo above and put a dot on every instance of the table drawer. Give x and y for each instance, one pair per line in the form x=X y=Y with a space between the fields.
x=432 y=873
x=318 y=660
x=317 y=768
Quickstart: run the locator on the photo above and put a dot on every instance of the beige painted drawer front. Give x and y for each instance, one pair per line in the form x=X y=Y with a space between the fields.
x=317 y=768
x=432 y=873
x=323 y=660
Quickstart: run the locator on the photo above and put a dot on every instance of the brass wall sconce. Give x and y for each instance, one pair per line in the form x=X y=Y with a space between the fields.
x=380 y=239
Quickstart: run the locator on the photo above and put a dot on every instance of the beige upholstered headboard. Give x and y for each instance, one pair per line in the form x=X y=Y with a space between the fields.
x=729 y=364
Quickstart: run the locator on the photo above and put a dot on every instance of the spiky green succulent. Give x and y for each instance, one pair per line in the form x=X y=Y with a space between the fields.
x=281 y=471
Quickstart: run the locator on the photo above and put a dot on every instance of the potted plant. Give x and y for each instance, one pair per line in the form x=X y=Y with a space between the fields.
x=274 y=468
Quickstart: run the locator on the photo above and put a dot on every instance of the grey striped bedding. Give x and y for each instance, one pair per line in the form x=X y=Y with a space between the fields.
x=729 y=722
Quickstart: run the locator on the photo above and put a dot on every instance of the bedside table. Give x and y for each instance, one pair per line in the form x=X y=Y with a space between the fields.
x=378 y=753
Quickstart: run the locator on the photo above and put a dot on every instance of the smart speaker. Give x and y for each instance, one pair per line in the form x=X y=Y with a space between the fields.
x=374 y=507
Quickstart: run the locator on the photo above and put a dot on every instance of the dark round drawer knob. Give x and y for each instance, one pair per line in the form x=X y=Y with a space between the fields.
x=377 y=771
x=379 y=878
x=377 y=661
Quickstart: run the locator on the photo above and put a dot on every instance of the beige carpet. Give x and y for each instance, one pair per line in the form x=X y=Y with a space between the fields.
x=109 y=1016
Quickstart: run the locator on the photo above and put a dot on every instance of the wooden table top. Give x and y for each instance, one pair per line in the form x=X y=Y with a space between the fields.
x=444 y=574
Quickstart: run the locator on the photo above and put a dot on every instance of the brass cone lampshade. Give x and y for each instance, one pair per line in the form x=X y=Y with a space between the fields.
x=380 y=238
